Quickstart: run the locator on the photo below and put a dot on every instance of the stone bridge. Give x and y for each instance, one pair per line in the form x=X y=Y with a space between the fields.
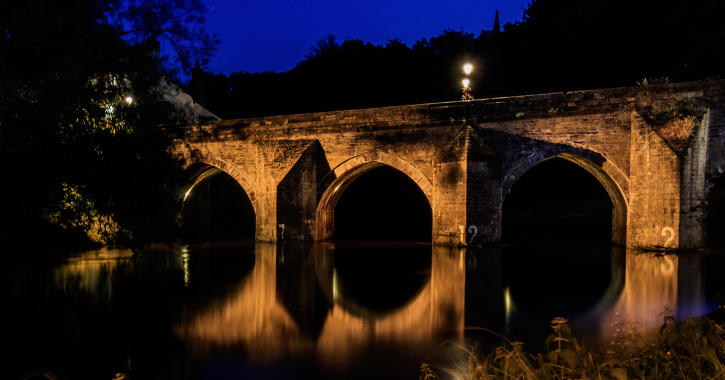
x=465 y=156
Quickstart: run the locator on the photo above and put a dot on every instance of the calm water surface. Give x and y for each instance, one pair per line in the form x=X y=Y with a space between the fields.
x=325 y=310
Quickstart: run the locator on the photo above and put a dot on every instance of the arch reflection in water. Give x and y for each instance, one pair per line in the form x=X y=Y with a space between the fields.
x=275 y=324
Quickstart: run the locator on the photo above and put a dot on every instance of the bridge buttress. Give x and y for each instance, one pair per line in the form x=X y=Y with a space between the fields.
x=299 y=192
x=467 y=193
x=665 y=189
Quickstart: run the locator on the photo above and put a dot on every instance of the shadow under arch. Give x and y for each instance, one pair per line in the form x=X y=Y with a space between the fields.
x=352 y=169
x=611 y=177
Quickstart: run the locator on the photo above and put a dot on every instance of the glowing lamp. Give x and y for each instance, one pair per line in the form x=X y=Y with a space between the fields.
x=465 y=83
x=129 y=99
x=467 y=68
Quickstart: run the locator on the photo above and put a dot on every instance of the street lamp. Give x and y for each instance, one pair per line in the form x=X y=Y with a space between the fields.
x=467 y=68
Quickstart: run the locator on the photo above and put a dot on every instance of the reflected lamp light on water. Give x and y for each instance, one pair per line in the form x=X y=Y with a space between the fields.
x=335 y=296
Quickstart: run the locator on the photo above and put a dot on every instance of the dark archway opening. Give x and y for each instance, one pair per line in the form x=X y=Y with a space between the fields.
x=383 y=204
x=557 y=201
x=557 y=230
x=218 y=209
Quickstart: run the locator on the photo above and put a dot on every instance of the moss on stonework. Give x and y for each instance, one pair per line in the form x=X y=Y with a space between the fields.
x=675 y=120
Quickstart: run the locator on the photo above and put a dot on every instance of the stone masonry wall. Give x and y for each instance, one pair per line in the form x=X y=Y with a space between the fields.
x=654 y=198
x=692 y=188
x=449 y=203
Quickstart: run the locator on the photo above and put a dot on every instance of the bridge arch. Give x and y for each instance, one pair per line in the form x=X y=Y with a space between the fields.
x=213 y=165
x=350 y=170
x=611 y=177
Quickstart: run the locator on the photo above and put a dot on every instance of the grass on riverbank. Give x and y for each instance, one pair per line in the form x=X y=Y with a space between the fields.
x=691 y=349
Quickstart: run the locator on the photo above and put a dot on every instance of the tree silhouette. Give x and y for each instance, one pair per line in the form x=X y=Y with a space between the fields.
x=558 y=45
x=78 y=158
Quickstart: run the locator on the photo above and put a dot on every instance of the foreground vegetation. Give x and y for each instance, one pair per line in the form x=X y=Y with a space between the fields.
x=691 y=349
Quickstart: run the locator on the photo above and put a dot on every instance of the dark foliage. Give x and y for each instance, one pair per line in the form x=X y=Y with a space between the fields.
x=75 y=156
x=559 y=45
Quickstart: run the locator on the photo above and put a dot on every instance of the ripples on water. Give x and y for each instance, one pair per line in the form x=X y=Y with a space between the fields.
x=324 y=310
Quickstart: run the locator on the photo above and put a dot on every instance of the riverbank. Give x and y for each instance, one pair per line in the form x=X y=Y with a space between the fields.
x=692 y=348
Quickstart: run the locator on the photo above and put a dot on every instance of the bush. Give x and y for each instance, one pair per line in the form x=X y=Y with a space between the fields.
x=694 y=348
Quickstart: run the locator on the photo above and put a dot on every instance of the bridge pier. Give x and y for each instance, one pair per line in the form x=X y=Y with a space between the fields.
x=467 y=193
x=666 y=189
x=287 y=206
x=299 y=192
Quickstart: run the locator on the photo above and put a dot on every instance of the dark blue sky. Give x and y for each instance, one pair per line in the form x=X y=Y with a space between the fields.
x=274 y=35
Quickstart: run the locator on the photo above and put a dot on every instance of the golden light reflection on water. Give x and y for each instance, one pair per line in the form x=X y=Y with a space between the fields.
x=254 y=317
x=93 y=272
x=651 y=283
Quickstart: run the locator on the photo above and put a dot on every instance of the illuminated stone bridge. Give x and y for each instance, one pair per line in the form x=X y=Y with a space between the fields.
x=465 y=156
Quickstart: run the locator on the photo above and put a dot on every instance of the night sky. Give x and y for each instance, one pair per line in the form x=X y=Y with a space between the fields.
x=275 y=35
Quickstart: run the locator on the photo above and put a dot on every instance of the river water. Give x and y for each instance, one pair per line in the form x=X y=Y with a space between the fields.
x=345 y=310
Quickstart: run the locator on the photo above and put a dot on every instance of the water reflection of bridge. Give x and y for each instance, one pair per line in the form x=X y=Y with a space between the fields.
x=272 y=326
x=311 y=319
x=287 y=307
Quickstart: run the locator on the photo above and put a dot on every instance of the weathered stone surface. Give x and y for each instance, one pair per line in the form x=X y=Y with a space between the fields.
x=654 y=199
x=294 y=167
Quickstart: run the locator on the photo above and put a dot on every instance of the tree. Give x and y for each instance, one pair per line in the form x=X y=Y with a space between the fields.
x=180 y=23
x=77 y=157
x=323 y=45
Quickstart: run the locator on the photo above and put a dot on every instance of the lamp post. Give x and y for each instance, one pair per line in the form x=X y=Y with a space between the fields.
x=467 y=97
x=467 y=68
